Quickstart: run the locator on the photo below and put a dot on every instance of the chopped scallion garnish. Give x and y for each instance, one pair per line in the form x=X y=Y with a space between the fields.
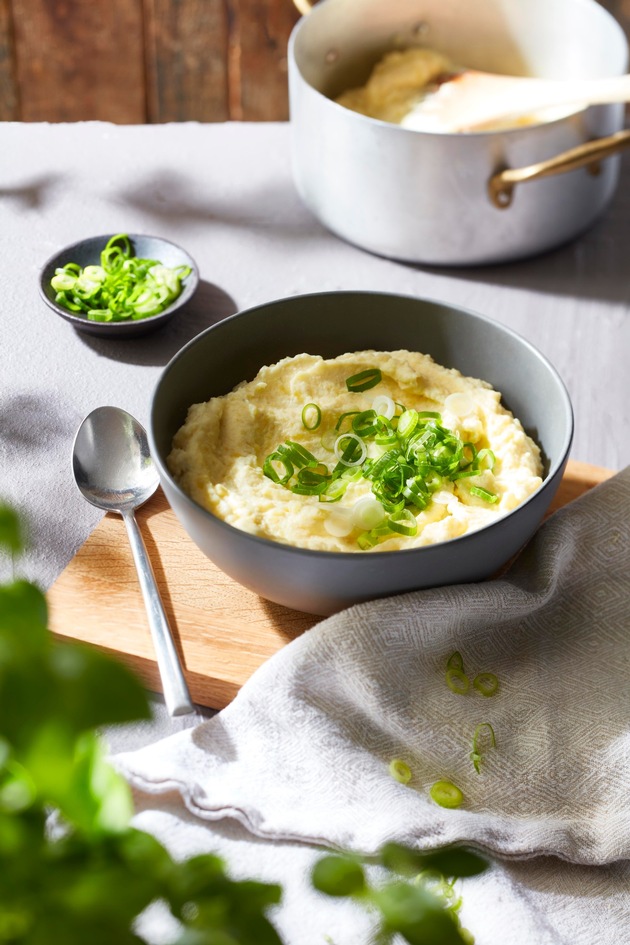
x=404 y=522
x=484 y=494
x=400 y=770
x=457 y=681
x=297 y=454
x=486 y=683
x=270 y=468
x=455 y=661
x=123 y=288
x=419 y=458
x=446 y=794
x=350 y=450
x=364 y=380
x=311 y=416
x=483 y=738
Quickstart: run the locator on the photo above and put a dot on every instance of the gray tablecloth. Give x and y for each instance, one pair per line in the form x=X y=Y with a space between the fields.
x=225 y=193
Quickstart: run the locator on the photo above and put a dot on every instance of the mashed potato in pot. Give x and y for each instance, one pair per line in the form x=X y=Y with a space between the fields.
x=369 y=451
x=402 y=81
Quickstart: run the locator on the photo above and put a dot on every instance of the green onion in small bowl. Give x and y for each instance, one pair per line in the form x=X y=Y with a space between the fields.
x=119 y=285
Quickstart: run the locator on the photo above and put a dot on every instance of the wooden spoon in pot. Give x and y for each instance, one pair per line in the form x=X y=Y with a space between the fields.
x=470 y=100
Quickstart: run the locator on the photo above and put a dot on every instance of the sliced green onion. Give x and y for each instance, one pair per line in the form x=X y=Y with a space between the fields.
x=311 y=416
x=455 y=661
x=486 y=683
x=446 y=794
x=385 y=433
x=338 y=523
x=416 y=491
x=367 y=512
x=384 y=406
x=459 y=403
x=270 y=470
x=474 y=455
x=367 y=540
x=407 y=423
x=483 y=733
x=334 y=491
x=351 y=454
x=123 y=288
x=364 y=380
x=364 y=424
x=484 y=494
x=486 y=456
x=400 y=770
x=421 y=459
x=348 y=413
x=351 y=473
x=457 y=681
x=404 y=522
x=377 y=469
x=464 y=473
x=297 y=454
x=310 y=482
x=328 y=440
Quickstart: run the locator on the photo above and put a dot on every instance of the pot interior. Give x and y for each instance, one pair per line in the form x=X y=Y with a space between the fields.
x=336 y=46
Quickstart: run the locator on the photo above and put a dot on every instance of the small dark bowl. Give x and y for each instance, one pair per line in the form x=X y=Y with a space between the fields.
x=330 y=324
x=88 y=253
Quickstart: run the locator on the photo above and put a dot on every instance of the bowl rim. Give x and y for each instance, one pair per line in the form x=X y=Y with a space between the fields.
x=555 y=468
x=189 y=285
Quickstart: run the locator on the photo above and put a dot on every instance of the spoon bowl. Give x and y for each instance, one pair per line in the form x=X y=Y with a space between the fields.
x=118 y=479
x=114 y=471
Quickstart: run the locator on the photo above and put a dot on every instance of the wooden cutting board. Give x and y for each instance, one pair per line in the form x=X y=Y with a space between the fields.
x=223 y=631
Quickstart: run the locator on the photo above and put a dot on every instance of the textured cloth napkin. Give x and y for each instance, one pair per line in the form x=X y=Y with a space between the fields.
x=301 y=756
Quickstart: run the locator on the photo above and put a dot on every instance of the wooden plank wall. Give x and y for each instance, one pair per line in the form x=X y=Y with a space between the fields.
x=139 y=61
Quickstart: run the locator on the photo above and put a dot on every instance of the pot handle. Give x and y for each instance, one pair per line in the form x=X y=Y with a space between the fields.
x=501 y=185
x=303 y=6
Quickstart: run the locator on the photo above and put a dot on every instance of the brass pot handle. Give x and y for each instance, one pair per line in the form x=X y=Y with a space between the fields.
x=501 y=185
x=303 y=6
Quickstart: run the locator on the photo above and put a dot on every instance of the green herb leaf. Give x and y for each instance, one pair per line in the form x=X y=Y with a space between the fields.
x=11 y=537
x=338 y=876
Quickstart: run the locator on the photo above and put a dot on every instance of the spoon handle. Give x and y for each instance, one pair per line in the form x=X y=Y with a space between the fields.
x=176 y=694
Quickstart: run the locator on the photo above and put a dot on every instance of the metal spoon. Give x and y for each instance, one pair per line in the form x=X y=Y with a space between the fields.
x=114 y=471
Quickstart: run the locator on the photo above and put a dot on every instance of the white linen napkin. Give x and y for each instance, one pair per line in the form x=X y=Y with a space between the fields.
x=302 y=753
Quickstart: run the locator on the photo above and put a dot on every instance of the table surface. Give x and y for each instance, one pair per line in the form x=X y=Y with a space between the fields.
x=225 y=193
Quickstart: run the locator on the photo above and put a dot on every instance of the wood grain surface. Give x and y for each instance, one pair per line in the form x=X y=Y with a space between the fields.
x=186 y=56
x=138 y=61
x=223 y=631
x=79 y=61
x=9 y=110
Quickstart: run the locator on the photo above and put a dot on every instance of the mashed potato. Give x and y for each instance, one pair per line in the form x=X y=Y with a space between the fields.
x=220 y=456
x=402 y=81
x=397 y=83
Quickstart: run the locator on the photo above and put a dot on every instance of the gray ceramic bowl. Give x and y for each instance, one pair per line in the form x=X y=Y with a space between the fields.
x=330 y=324
x=87 y=252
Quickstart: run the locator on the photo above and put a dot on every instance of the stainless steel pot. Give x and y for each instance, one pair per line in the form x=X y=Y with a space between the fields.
x=454 y=199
